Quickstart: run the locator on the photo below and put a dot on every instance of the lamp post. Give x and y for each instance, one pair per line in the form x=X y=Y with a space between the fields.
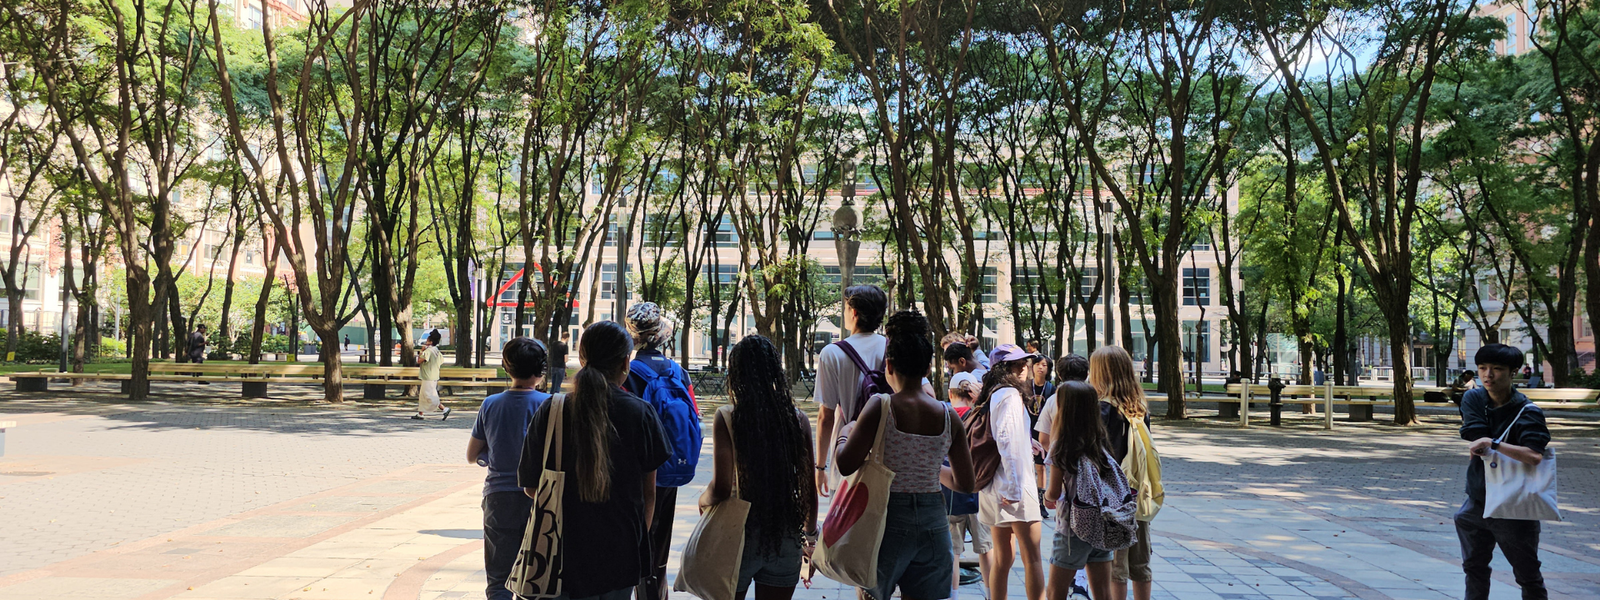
x=845 y=221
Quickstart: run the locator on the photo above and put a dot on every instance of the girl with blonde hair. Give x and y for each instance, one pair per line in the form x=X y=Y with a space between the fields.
x=1122 y=400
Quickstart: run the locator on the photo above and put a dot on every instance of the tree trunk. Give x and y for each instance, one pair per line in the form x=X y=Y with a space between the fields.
x=1170 y=337
x=1405 y=413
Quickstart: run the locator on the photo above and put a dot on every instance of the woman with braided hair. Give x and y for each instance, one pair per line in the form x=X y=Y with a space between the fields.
x=764 y=441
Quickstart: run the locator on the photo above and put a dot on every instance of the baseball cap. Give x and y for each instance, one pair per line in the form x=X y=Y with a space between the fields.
x=1007 y=353
x=964 y=378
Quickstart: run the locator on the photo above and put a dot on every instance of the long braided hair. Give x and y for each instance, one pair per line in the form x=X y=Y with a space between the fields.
x=774 y=457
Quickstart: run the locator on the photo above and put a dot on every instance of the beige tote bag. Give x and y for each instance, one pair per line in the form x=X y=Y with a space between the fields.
x=537 y=572
x=712 y=557
x=847 y=550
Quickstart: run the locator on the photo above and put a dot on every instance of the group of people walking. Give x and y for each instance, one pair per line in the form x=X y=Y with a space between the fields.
x=983 y=464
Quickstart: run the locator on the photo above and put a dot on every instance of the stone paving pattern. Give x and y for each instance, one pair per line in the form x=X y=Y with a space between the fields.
x=206 y=496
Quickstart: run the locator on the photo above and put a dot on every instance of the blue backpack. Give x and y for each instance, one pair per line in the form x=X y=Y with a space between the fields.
x=669 y=394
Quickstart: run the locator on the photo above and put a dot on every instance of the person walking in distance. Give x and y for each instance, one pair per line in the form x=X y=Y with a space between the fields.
x=665 y=386
x=346 y=341
x=496 y=443
x=919 y=433
x=611 y=445
x=839 y=371
x=196 y=346
x=1492 y=410
x=558 y=362
x=1079 y=432
x=1112 y=375
x=1010 y=504
x=428 y=371
x=764 y=441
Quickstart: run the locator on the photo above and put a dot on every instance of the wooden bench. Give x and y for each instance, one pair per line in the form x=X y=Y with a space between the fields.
x=254 y=379
x=1362 y=399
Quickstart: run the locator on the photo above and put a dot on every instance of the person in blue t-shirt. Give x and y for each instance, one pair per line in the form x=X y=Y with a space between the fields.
x=497 y=443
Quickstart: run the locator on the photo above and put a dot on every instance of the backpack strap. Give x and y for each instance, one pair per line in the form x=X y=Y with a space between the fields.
x=855 y=357
x=645 y=371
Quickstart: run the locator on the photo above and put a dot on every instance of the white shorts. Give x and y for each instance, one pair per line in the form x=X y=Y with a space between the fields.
x=992 y=513
x=428 y=397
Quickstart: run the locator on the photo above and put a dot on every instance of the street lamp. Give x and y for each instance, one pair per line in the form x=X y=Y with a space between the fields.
x=845 y=222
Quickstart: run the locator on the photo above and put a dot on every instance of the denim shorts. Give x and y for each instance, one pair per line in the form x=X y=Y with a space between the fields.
x=915 y=554
x=1071 y=553
x=780 y=570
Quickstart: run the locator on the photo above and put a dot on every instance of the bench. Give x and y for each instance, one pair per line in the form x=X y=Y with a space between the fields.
x=254 y=379
x=1241 y=395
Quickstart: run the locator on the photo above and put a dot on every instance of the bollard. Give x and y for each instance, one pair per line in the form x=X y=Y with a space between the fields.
x=4 y=425
x=1276 y=385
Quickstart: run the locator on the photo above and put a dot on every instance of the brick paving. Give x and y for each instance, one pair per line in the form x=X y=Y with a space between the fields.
x=207 y=496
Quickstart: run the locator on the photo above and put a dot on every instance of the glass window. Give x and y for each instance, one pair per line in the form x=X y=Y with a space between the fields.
x=1197 y=341
x=990 y=293
x=1197 y=287
x=1090 y=286
x=725 y=236
x=608 y=280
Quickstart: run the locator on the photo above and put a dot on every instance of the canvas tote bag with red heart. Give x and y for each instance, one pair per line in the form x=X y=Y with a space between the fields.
x=848 y=549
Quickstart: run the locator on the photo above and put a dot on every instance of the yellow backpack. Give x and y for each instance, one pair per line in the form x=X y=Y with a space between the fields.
x=1142 y=466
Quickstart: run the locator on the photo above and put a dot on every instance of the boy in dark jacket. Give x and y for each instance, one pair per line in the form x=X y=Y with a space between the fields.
x=1486 y=413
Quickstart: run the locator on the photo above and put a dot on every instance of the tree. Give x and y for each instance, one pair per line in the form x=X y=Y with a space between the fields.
x=1368 y=120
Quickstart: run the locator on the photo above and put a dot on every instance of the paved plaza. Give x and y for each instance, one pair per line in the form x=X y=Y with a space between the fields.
x=201 y=496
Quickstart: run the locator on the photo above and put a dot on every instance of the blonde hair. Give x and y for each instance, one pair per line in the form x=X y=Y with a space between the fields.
x=1111 y=373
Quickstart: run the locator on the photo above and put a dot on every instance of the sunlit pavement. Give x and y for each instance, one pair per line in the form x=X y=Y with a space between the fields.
x=202 y=495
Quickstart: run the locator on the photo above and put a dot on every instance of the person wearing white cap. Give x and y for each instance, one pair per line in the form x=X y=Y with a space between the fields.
x=1010 y=504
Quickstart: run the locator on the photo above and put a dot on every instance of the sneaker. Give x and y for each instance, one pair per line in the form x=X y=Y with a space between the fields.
x=416 y=417
x=970 y=576
x=1077 y=593
x=447 y=412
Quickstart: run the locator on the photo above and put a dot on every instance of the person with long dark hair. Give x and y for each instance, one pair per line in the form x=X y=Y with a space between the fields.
x=1010 y=505
x=1079 y=432
x=919 y=432
x=771 y=440
x=611 y=445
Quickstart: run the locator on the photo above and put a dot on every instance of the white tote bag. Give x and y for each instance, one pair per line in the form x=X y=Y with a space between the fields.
x=537 y=570
x=848 y=549
x=711 y=559
x=1514 y=490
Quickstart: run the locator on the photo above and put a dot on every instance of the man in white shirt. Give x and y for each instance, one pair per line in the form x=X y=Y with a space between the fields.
x=838 y=378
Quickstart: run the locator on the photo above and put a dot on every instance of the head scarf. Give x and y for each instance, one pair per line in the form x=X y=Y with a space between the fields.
x=650 y=326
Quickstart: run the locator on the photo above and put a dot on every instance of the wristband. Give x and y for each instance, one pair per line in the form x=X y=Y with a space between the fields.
x=1494 y=445
x=822 y=467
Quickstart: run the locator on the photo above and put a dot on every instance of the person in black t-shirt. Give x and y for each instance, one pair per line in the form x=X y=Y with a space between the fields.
x=1487 y=412
x=558 y=362
x=197 y=344
x=611 y=446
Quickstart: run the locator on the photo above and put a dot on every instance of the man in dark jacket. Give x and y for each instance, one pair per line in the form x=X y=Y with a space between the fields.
x=1487 y=412
x=197 y=344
